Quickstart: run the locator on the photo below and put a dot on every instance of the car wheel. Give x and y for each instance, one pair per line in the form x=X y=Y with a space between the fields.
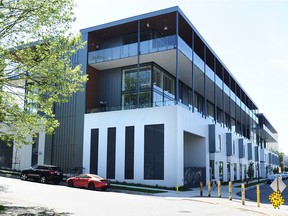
x=23 y=177
x=43 y=179
x=91 y=186
x=70 y=183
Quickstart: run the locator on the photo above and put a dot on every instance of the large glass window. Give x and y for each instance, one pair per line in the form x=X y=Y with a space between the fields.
x=129 y=87
x=129 y=100
x=163 y=87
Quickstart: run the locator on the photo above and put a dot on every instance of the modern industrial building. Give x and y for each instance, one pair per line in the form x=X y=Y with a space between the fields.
x=159 y=108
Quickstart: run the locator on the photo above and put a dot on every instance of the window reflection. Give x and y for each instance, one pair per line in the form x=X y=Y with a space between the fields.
x=129 y=87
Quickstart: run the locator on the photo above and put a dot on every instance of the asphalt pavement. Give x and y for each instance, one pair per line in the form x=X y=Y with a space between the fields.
x=32 y=198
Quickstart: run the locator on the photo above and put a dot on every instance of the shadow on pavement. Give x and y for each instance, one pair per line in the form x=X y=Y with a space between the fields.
x=31 y=211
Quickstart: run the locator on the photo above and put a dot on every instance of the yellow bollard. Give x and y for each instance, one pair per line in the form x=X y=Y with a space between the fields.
x=258 y=195
x=177 y=188
x=201 y=188
x=243 y=193
x=219 y=189
x=209 y=189
x=230 y=190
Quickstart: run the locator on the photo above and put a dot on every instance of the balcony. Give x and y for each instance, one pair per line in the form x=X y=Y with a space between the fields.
x=130 y=50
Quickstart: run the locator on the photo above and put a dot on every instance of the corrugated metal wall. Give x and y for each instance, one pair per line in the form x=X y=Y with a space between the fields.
x=65 y=147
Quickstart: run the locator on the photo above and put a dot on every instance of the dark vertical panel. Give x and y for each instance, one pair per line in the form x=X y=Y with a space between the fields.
x=35 y=148
x=204 y=86
x=138 y=62
x=154 y=152
x=94 y=145
x=228 y=144
x=111 y=147
x=177 y=58
x=193 y=87
x=129 y=152
x=223 y=93
x=6 y=154
x=256 y=152
x=249 y=151
x=241 y=148
x=215 y=96
x=212 y=139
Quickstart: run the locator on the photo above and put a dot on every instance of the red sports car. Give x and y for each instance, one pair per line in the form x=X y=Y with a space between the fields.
x=90 y=181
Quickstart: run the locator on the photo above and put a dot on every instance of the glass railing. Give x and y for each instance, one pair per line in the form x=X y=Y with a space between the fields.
x=198 y=62
x=112 y=53
x=209 y=72
x=184 y=48
x=158 y=44
x=218 y=82
x=274 y=136
x=129 y=50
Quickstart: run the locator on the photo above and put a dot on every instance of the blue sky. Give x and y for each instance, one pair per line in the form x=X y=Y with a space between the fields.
x=250 y=37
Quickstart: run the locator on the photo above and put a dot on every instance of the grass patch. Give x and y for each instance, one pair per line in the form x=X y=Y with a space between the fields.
x=252 y=183
x=135 y=189
x=180 y=188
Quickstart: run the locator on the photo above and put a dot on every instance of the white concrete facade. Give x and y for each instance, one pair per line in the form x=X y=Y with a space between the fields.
x=185 y=144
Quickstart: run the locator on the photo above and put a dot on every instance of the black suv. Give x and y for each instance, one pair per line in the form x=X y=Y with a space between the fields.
x=43 y=173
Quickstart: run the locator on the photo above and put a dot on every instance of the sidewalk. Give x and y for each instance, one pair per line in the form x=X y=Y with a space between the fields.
x=195 y=192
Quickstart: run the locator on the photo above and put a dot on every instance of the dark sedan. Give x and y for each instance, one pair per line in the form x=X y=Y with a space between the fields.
x=42 y=173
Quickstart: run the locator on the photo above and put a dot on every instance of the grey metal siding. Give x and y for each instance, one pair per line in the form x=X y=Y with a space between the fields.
x=212 y=139
x=65 y=147
x=228 y=144
x=110 y=87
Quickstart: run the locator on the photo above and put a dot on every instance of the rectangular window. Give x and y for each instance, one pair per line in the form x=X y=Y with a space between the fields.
x=220 y=170
x=129 y=152
x=111 y=147
x=35 y=148
x=129 y=87
x=233 y=147
x=154 y=152
x=94 y=151
x=6 y=155
x=219 y=144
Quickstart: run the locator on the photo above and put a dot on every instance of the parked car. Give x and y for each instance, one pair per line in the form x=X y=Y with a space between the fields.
x=90 y=181
x=284 y=175
x=42 y=173
x=271 y=178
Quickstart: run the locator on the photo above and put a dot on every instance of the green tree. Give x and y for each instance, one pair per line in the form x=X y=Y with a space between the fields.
x=35 y=66
x=250 y=171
